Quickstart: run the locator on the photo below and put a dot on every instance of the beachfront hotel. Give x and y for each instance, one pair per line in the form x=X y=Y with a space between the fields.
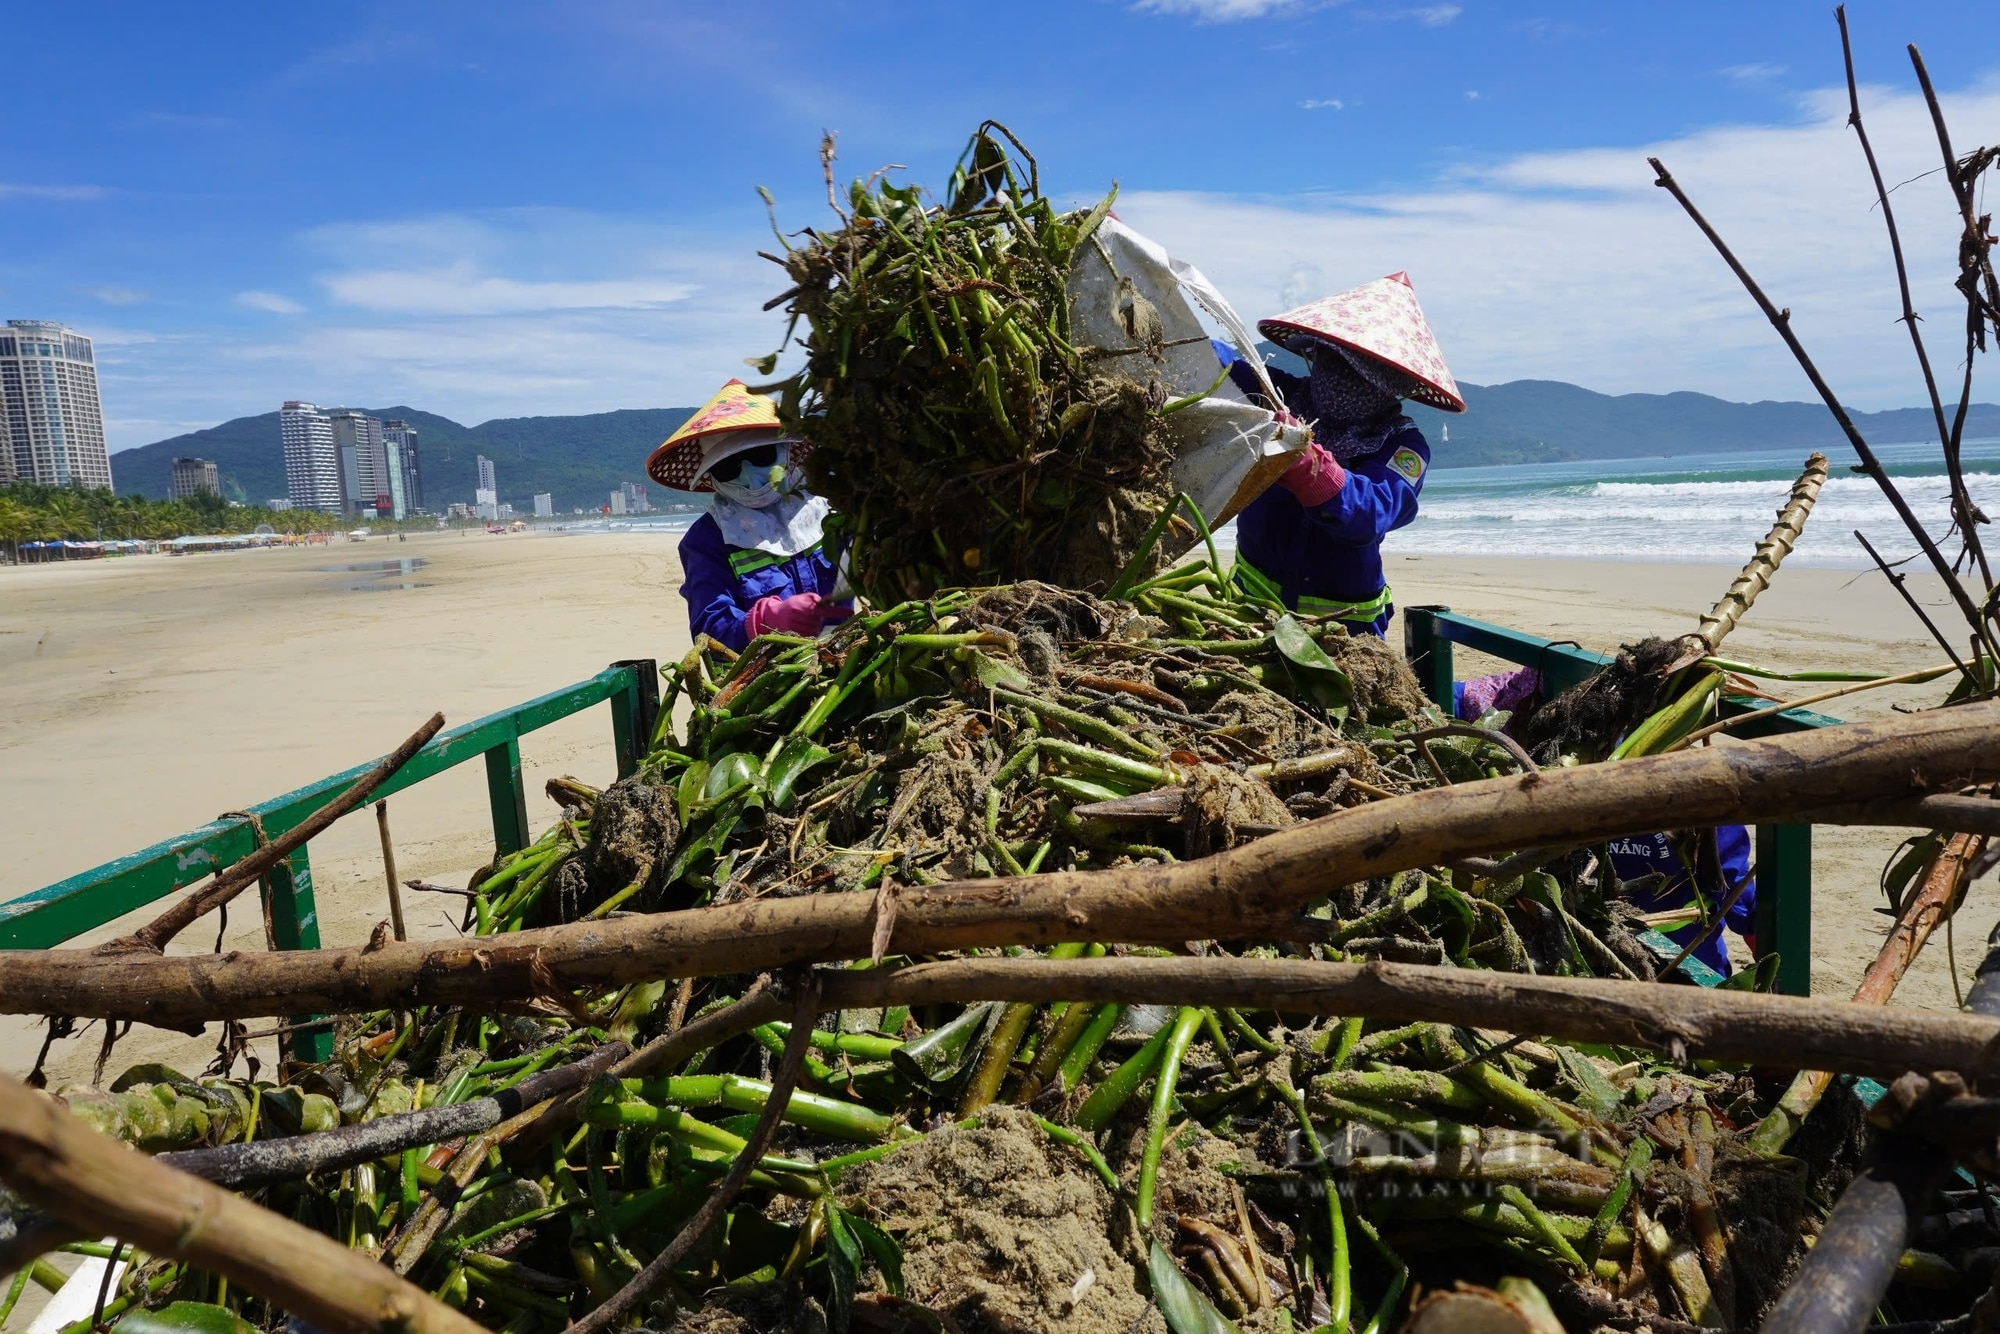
x=312 y=462
x=191 y=477
x=54 y=424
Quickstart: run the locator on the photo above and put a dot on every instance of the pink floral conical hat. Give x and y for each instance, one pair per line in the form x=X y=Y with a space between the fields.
x=1382 y=319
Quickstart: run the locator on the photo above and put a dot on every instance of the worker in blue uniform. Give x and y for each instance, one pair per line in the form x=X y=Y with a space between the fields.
x=1313 y=541
x=1642 y=855
x=756 y=561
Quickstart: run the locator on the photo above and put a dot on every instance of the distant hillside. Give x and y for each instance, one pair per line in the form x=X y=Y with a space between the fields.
x=1542 y=421
x=578 y=460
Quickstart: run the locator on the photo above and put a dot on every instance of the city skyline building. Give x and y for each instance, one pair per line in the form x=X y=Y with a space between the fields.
x=192 y=477
x=364 y=462
x=53 y=429
x=636 y=499
x=486 y=497
x=545 y=505
x=399 y=438
x=312 y=460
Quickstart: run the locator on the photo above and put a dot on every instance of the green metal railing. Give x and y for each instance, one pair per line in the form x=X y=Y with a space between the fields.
x=1784 y=851
x=68 y=908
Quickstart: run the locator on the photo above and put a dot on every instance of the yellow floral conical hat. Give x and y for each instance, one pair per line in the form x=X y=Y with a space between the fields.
x=683 y=458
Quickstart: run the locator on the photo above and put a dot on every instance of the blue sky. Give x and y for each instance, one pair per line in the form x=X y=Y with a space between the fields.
x=500 y=209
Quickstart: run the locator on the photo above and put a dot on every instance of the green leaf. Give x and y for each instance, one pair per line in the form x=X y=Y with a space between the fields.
x=843 y=1264
x=796 y=755
x=1597 y=1094
x=883 y=1249
x=185 y=1318
x=1186 y=1310
x=990 y=671
x=763 y=365
x=693 y=779
x=1317 y=676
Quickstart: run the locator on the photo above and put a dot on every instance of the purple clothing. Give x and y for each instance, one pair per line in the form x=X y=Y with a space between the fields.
x=1642 y=854
x=724 y=582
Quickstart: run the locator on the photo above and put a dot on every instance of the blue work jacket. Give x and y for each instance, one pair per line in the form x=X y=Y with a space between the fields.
x=723 y=582
x=1643 y=854
x=1327 y=560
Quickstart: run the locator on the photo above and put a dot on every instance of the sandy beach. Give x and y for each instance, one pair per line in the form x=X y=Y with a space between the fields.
x=144 y=696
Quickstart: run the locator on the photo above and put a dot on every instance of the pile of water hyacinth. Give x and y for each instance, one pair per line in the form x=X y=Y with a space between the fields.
x=1014 y=1166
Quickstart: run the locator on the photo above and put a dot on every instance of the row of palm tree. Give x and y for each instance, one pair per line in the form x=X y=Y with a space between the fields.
x=35 y=513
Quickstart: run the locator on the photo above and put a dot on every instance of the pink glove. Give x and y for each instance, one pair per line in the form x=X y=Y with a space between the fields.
x=799 y=614
x=1316 y=477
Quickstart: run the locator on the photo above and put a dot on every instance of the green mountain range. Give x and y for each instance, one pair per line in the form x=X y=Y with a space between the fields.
x=580 y=460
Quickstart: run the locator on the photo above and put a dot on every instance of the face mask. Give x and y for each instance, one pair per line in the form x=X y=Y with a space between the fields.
x=756 y=479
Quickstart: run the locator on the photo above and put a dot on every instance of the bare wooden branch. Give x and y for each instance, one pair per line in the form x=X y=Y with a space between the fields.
x=58 y=1163
x=1782 y=1031
x=621 y=1304
x=1254 y=890
x=1781 y=320
x=232 y=881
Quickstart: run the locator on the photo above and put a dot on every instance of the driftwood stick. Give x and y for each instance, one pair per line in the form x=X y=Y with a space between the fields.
x=1781 y=320
x=760 y=1005
x=389 y=870
x=261 y=1162
x=784 y=1077
x=230 y=882
x=93 y=1183
x=1727 y=1026
x=1934 y=900
x=1254 y=890
x=1719 y=620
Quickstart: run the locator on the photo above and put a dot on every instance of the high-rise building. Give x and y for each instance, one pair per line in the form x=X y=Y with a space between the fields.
x=364 y=463
x=312 y=460
x=636 y=501
x=545 y=505
x=400 y=439
x=617 y=505
x=486 y=482
x=486 y=497
x=54 y=427
x=191 y=477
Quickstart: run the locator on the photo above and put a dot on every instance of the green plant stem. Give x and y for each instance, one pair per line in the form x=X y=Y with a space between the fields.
x=1340 y=1270
x=1185 y=1025
x=1082 y=724
x=1118 y=1087
x=1088 y=1043
x=812 y=1111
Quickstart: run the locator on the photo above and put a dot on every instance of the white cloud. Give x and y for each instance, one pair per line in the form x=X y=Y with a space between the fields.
x=59 y=194
x=271 y=301
x=1755 y=72
x=463 y=290
x=1571 y=265
x=112 y=295
x=1323 y=104
x=1220 y=11
x=1431 y=16
x=1472 y=94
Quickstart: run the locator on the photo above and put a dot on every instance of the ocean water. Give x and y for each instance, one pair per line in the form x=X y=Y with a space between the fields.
x=1689 y=509
x=1699 y=508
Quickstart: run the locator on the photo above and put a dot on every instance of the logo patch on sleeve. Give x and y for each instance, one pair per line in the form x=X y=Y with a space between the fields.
x=1409 y=463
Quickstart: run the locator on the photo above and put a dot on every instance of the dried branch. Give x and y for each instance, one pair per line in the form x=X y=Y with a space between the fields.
x=1781 y=320
x=1767 y=1029
x=1254 y=890
x=784 y=1078
x=1961 y=499
x=90 y=1182
x=232 y=881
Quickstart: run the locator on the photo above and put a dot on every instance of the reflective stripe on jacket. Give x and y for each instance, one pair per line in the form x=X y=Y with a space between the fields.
x=722 y=582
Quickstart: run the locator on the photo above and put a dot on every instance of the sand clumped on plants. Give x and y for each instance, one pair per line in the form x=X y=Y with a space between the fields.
x=1385 y=689
x=999 y=1226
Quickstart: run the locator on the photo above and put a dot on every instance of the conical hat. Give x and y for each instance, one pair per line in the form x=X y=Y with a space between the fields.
x=1382 y=319
x=704 y=437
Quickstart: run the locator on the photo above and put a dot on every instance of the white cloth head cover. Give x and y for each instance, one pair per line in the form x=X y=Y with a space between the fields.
x=775 y=513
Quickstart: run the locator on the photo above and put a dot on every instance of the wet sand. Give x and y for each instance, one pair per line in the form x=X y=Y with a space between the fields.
x=144 y=696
